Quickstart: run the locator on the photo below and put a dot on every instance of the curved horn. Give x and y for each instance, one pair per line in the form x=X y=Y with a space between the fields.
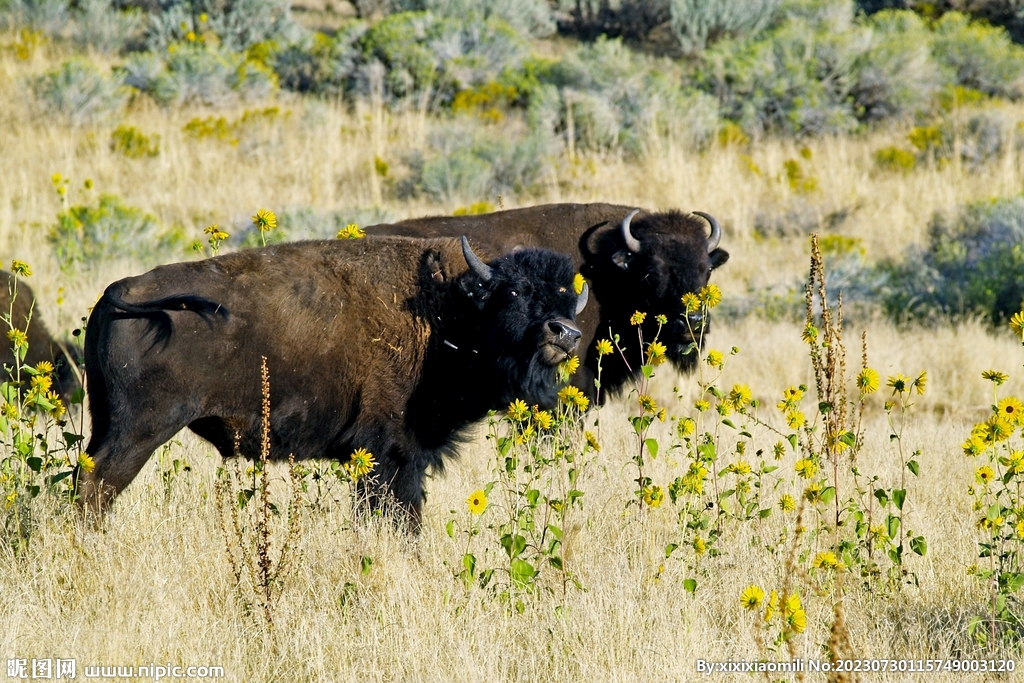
x=581 y=300
x=632 y=243
x=475 y=264
x=716 y=230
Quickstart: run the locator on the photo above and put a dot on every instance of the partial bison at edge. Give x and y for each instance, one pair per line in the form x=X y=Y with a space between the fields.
x=635 y=260
x=387 y=344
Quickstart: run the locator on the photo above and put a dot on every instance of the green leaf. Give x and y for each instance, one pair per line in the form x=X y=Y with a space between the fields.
x=78 y=396
x=892 y=524
x=555 y=531
x=728 y=423
x=690 y=585
x=35 y=463
x=366 y=563
x=648 y=370
x=882 y=496
x=764 y=512
x=61 y=475
x=514 y=544
x=828 y=494
x=522 y=572
x=556 y=562
x=450 y=528
x=652 y=447
x=504 y=444
x=914 y=467
x=669 y=549
x=898 y=497
x=849 y=438
x=919 y=545
x=1015 y=582
x=824 y=407
x=9 y=392
x=792 y=440
x=532 y=496
x=469 y=562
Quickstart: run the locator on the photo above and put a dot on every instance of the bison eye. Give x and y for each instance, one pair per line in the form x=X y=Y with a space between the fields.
x=513 y=292
x=561 y=290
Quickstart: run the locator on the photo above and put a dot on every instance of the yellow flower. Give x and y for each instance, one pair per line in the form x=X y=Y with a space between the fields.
x=604 y=347
x=592 y=441
x=477 y=502
x=751 y=597
x=806 y=468
x=984 y=475
x=577 y=283
x=543 y=419
x=58 y=409
x=41 y=383
x=1011 y=408
x=526 y=434
x=997 y=429
x=919 y=383
x=648 y=404
x=690 y=302
x=1020 y=529
x=88 y=183
x=572 y=396
x=17 y=337
x=995 y=376
x=715 y=358
x=810 y=334
x=974 y=446
x=518 y=410
x=825 y=560
x=569 y=366
x=264 y=220
x=654 y=496
x=795 y=419
x=10 y=411
x=740 y=395
x=898 y=383
x=216 y=234
x=813 y=492
x=879 y=531
x=787 y=503
x=661 y=319
x=1017 y=323
x=778 y=450
x=772 y=606
x=700 y=545
x=797 y=621
x=44 y=367
x=740 y=467
x=867 y=381
x=190 y=36
x=360 y=464
x=792 y=604
x=20 y=268
x=702 y=405
x=637 y=318
x=56 y=178
x=662 y=414
x=710 y=296
x=656 y=353
x=203 y=18
x=86 y=463
x=351 y=232
x=685 y=427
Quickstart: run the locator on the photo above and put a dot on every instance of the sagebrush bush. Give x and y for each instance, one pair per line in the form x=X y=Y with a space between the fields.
x=970 y=265
x=233 y=25
x=695 y=23
x=196 y=73
x=45 y=16
x=79 y=92
x=99 y=25
x=526 y=17
x=320 y=64
x=979 y=56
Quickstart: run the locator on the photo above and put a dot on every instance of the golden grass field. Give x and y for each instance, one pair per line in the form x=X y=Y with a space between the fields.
x=154 y=585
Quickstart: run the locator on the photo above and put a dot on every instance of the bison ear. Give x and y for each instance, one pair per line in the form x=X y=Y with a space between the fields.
x=718 y=257
x=474 y=289
x=622 y=258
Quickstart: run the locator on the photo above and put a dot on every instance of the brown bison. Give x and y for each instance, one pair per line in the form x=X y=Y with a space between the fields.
x=635 y=260
x=387 y=344
x=18 y=301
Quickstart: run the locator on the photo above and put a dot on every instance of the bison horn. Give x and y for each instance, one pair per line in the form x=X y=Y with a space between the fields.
x=716 y=230
x=484 y=271
x=632 y=243
x=581 y=300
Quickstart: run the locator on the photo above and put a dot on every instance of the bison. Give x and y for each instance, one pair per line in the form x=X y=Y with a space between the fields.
x=18 y=301
x=635 y=260
x=389 y=344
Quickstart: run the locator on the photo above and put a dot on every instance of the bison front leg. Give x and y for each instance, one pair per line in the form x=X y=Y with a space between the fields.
x=394 y=489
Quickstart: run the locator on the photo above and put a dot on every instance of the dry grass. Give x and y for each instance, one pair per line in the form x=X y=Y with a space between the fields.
x=154 y=584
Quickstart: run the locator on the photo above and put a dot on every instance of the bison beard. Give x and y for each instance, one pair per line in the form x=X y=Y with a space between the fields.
x=387 y=344
x=635 y=261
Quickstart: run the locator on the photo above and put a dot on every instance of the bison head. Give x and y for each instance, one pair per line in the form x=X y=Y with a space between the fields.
x=525 y=317
x=648 y=264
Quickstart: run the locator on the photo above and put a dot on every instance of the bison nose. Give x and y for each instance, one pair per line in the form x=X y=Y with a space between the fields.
x=565 y=330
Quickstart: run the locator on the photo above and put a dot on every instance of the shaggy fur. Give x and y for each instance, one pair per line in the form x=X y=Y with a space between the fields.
x=388 y=344
x=673 y=260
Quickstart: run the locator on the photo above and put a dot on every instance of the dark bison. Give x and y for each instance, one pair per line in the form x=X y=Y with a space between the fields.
x=387 y=344
x=19 y=302
x=635 y=260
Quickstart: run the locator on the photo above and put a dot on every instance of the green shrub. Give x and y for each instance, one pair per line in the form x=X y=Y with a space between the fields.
x=45 y=16
x=133 y=143
x=695 y=23
x=197 y=73
x=232 y=25
x=79 y=92
x=99 y=25
x=320 y=64
x=979 y=56
x=526 y=17
x=971 y=265
x=86 y=236
x=895 y=159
